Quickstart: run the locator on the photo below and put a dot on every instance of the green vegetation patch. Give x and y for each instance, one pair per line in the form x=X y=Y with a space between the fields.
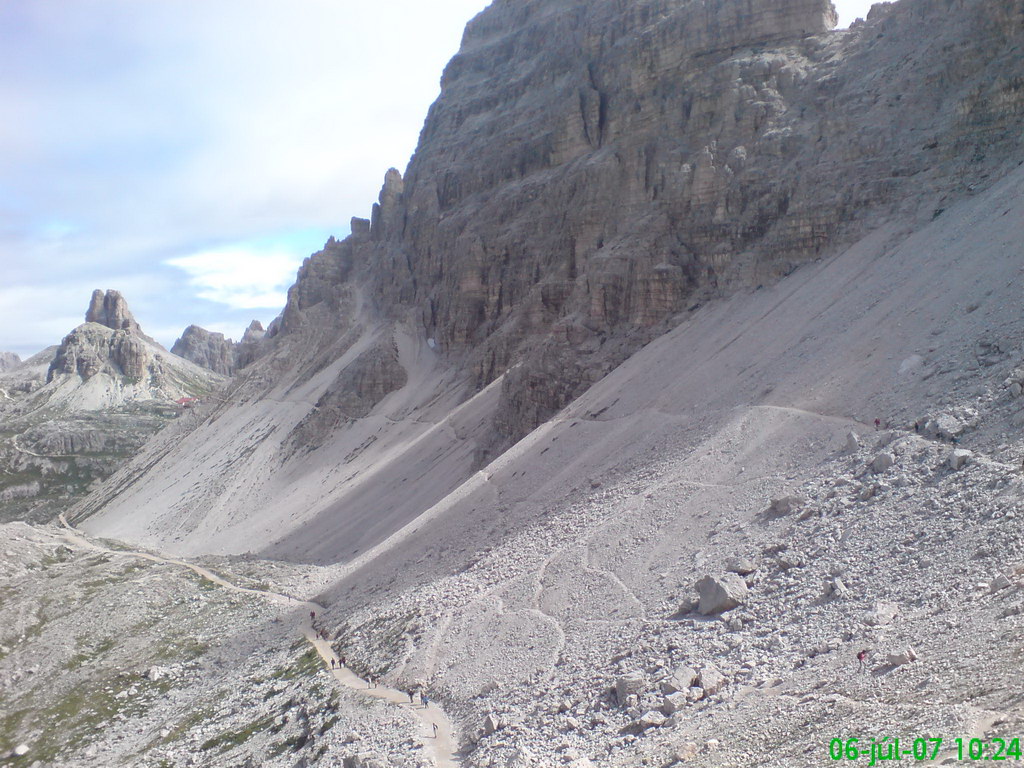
x=78 y=717
x=90 y=653
x=306 y=665
x=231 y=739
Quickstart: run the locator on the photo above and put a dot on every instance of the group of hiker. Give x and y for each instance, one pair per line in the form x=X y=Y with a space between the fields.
x=371 y=680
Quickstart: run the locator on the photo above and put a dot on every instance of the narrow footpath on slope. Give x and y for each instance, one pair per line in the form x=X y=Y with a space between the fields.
x=441 y=746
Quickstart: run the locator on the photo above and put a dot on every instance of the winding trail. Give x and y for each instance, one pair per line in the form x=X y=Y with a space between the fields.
x=440 y=746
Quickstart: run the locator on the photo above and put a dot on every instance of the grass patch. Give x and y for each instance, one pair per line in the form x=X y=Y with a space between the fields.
x=202 y=582
x=88 y=654
x=306 y=665
x=179 y=648
x=79 y=717
x=231 y=739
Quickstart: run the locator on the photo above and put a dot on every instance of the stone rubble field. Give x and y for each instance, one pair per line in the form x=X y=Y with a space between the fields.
x=109 y=660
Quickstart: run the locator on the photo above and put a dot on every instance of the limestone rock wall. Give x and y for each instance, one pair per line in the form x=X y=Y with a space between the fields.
x=592 y=170
x=92 y=348
x=110 y=309
x=206 y=348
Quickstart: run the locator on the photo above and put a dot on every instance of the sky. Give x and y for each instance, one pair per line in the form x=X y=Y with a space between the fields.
x=191 y=153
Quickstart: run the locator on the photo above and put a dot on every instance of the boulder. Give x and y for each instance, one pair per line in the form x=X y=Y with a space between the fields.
x=673 y=702
x=491 y=724
x=852 y=442
x=680 y=680
x=944 y=427
x=786 y=505
x=882 y=462
x=711 y=680
x=652 y=719
x=900 y=657
x=958 y=458
x=630 y=684
x=744 y=566
x=792 y=559
x=720 y=593
x=881 y=614
x=999 y=582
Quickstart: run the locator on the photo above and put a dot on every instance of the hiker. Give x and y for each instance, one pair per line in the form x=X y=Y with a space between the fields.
x=426 y=701
x=341 y=662
x=312 y=616
x=411 y=693
x=878 y=423
x=862 y=660
x=332 y=663
x=917 y=427
x=435 y=729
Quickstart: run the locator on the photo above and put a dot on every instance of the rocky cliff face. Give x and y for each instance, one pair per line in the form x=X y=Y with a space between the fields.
x=214 y=352
x=248 y=349
x=592 y=170
x=110 y=309
x=207 y=349
x=92 y=348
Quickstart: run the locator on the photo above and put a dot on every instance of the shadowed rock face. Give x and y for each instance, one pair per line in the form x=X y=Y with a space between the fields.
x=212 y=351
x=92 y=348
x=591 y=170
x=110 y=309
x=206 y=348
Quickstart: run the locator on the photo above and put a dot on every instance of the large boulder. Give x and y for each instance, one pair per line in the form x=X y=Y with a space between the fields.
x=680 y=680
x=711 y=680
x=958 y=458
x=632 y=683
x=720 y=593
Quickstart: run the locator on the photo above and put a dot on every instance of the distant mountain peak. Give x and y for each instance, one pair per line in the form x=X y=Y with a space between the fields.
x=111 y=309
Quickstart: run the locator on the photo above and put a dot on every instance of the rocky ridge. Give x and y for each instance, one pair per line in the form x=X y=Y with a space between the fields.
x=211 y=350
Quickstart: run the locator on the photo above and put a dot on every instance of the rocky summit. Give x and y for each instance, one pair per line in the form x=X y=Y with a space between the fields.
x=665 y=411
x=212 y=350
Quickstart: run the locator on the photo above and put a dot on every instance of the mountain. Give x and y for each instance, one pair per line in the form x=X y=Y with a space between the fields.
x=74 y=413
x=569 y=202
x=212 y=350
x=667 y=409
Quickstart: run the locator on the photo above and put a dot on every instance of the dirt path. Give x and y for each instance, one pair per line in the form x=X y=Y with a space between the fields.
x=440 y=746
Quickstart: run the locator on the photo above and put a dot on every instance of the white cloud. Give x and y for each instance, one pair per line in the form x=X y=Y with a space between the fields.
x=241 y=277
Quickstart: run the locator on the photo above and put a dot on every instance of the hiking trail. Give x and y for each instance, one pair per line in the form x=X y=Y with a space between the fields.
x=441 y=747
